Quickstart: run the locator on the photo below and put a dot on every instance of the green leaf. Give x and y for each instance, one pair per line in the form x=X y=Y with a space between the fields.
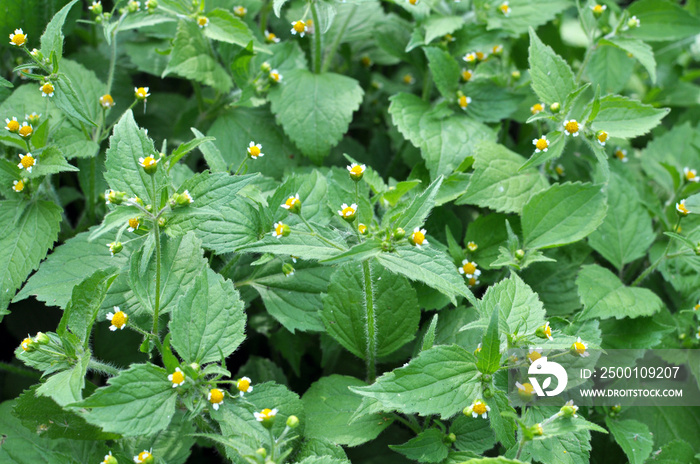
x=67 y=100
x=557 y=142
x=114 y=219
x=440 y=380
x=633 y=437
x=208 y=322
x=674 y=452
x=369 y=310
x=520 y=308
x=427 y=446
x=123 y=173
x=499 y=183
x=295 y=302
x=225 y=27
x=488 y=360
x=277 y=6
x=52 y=39
x=321 y=448
x=315 y=110
x=139 y=401
x=445 y=139
x=472 y=434
x=662 y=20
x=300 y=244
x=430 y=266
x=564 y=213
x=641 y=51
x=438 y=26
x=33 y=410
x=668 y=424
x=552 y=78
x=610 y=68
x=524 y=14
x=429 y=337
x=181 y=264
x=51 y=161
x=329 y=404
x=190 y=59
x=212 y=155
x=66 y=387
x=604 y=296
x=498 y=460
x=419 y=209
x=29 y=231
x=570 y=448
x=22 y=445
x=70 y=264
x=626 y=118
x=221 y=218
x=626 y=233
x=86 y=300
x=445 y=71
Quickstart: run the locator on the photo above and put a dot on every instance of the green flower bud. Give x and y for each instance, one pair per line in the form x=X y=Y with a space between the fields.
x=133 y=6
x=288 y=269
x=109 y=459
x=537 y=430
x=616 y=409
x=114 y=197
x=451 y=438
x=261 y=452
x=515 y=74
x=569 y=409
x=488 y=393
x=519 y=254
x=115 y=247
x=162 y=221
x=399 y=233
x=292 y=422
x=555 y=107
x=96 y=8
x=41 y=338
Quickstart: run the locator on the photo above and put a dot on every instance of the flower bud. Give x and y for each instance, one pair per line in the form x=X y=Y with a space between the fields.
x=515 y=74
x=115 y=198
x=265 y=67
x=109 y=459
x=519 y=254
x=555 y=107
x=133 y=6
x=363 y=230
x=262 y=452
x=537 y=430
x=288 y=269
x=41 y=338
x=488 y=393
x=292 y=422
x=451 y=438
x=115 y=247
x=161 y=222
x=399 y=233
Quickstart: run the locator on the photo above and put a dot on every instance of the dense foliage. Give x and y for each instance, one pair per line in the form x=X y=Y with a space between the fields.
x=259 y=231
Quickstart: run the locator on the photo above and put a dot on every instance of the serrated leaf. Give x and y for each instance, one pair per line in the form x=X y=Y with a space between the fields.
x=225 y=27
x=552 y=78
x=208 y=322
x=472 y=434
x=123 y=173
x=626 y=118
x=524 y=14
x=212 y=155
x=626 y=233
x=444 y=69
x=662 y=20
x=488 y=360
x=499 y=183
x=51 y=161
x=640 y=51
x=329 y=404
x=604 y=296
x=430 y=266
x=315 y=110
x=369 y=310
x=562 y=214
x=571 y=448
x=439 y=381
x=419 y=209
x=427 y=446
x=139 y=401
x=52 y=38
x=29 y=231
x=633 y=437
x=66 y=386
x=69 y=101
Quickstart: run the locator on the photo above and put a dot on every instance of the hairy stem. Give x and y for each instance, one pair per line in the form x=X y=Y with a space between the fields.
x=371 y=327
x=317 y=39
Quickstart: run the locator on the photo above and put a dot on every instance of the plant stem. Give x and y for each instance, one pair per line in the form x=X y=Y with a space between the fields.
x=520 y=449
x=317 y=39
x=315 y=234
x=653 y=266
x=156 y=229
x=330 y=52
x=104 y=368
x=241 y=166
x=399 y=418
x=371 y=329
x=427 y=85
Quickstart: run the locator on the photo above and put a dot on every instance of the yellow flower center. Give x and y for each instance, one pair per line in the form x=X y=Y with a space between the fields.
x=690 y=175
x=299 y=26
x=18 y=39
x=579 y=347
x=542 y=144
x=363 y=228
x=275 y=76
x=505 y=9
x=548 y=331
x=479 y=407
x=480 y=56
x=27 y=161
x=243 y=385
x=19 y=186
x=202 y=21
x=106 y=101
x=472 y=281
x=266 y=413
x=412 y=2
x=571 y=127
x=418 y=237
x=25 y=131
x=620 y=154
x=271 y=37
x=534 y=356
x=178 y=377
x=602 y=136
x=559 y=170
x=143 y=455
x=13 y=126
x=240 y=11
x=25 y=343
x=254 y=151
x=681 y=207
x=598 y=9
x=291 y=201
x=466 y=75
x=141 y=92
x=134 y=223
x=463 y=102
x=349 y=211
x=527 y=388
x=536 y=108
x=472 y=246
x=149 y=161
x=279 y=229
x=357 y=170
x=469 y=268
x=119 y=319
x=216 y=396
x=696 y=307
x=47 y=88
x=408 y=79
